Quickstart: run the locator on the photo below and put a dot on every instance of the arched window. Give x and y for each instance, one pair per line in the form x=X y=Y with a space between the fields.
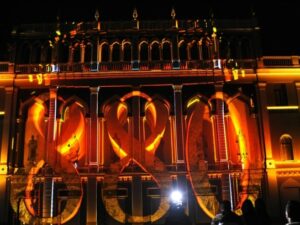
x=127 y=52
x=224 y=49
x=183 y=51
x=76 y=53
x=166 y=51
x=194 y=50
x=286 y=147
x=36 y=53
x=88 y=53
x=116 y=52
x=233 y=48
x=144 y=51
x=64 y=50
x=204 y=50
x=155 y=51
x=245 y=49
x=104 y=53
x=24 y=56
x=46 y=54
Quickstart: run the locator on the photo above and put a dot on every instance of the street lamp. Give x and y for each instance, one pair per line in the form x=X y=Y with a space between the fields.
x=176 y=198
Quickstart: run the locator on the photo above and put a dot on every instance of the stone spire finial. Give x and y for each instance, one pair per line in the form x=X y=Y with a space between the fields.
x=97 y=15
x=173 y=13
x=134 y=14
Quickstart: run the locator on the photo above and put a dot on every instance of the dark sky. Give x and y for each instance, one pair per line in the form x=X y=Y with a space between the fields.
x=278 y=19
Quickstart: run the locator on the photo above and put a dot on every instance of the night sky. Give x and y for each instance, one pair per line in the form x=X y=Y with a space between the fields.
x=278 y=20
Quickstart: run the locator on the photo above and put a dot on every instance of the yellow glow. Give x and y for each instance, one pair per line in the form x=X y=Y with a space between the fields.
x=2 y=112
x=38 y=118
x=270 y=163
x=121 y=109
x=192 y=101
x=241 y=139
x=214 y=138
x=39 y=78
x=286 y=107
x=235 y=74
x=214 y=29
x=30 y=78
x=156 y=141
x=152 y=109
x=136 y=93
x=75 y=138
x=204 y=207
x=30 y=186
x=279 y=72
x=219 y=95
x=243 y=72
x=118 y=150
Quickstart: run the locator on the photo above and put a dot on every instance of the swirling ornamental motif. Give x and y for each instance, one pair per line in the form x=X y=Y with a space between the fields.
x=197 y=166
x=125 y=145
x=24 y=200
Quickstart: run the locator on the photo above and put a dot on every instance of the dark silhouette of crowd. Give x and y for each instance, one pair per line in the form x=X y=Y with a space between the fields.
x=226 y=215
x=255 y=214
x=177 y=216
x=292 y=212
x=250 y=216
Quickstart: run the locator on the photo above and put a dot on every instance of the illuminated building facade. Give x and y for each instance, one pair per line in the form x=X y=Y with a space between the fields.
x=100 y=121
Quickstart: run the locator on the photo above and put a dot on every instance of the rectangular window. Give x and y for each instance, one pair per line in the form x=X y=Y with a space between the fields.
x=280 y=94
x=1 y=127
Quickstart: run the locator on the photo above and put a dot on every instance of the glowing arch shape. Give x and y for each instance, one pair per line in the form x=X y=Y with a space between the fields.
x=197 y=168
x=72 y=205
x=210 y=204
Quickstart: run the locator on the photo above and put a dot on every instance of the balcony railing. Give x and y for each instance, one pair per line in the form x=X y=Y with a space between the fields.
x=150 y=25
x=6 y=67
x=163 y=65
x=117 y=66
x=279 y=61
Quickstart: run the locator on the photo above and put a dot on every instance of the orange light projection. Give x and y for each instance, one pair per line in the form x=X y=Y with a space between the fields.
x=198 y=113
x=34 y=130
x=72 y=133
x=29 y=187
x=117 y=148
x=196 y=162
x=126 y=146
x=238 y=126
x=38 y=111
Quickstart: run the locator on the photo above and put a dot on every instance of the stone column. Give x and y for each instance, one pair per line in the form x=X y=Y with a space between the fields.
x=137 y=197
x=266 y=124
x=92 y=198
x=272 y=184
x=94 y=145
x=5 y=145
x=51 y=156
x=175 y=52
x=179 y=132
